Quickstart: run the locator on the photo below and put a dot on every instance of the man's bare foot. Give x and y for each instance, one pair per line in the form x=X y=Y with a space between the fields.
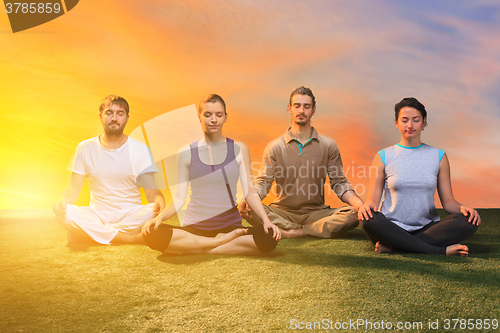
x=76 y=237
x=226 y=238
x=292 y=233
x=379 y=248
x=457 y=250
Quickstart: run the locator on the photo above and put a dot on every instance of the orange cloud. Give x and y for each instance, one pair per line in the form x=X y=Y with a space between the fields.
x=163 y=55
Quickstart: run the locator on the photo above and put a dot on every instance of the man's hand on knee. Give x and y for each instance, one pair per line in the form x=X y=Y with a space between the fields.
x=59 y=207
x=366 y=211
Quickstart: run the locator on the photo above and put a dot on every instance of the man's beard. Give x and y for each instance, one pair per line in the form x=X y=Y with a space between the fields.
x=302 y=121
x=114 y=130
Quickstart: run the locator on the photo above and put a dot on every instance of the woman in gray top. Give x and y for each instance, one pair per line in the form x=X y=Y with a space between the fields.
x=408 y=174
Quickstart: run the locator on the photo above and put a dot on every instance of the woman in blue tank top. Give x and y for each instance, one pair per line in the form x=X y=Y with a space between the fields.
x=408 y=175
x=211 y=167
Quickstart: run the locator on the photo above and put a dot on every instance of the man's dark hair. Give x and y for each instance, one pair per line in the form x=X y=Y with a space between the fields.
x=303 y=91
x=113 y=99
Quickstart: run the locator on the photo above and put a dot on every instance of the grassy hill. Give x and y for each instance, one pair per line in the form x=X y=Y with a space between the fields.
x=49 y=286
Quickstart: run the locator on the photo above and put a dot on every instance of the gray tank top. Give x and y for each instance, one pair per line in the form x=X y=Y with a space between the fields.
x=410 y=184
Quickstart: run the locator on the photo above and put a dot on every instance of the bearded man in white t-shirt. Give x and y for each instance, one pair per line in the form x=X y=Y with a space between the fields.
x=115 y=165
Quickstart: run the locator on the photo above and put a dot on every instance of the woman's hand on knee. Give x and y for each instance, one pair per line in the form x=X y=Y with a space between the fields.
x=156 y=222
x=244 y=210
x=276 y=231
x=474 y=217
x=365 y=211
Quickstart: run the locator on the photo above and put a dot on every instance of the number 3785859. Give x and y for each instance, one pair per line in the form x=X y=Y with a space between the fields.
x=32 y=8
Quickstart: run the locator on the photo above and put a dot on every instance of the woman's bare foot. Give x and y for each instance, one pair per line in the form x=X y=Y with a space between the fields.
x=379 y=248
x=292 y=233
x=184 y=253
x=124 y=238
x=457 y=250
x=226 y=238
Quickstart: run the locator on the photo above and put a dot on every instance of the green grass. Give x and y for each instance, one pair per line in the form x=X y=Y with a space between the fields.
x=47 y=286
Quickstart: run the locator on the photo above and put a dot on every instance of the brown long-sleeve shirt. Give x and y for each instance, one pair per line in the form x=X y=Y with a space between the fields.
x=300 y=171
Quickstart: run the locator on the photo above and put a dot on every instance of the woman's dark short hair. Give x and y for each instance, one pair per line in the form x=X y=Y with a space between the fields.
x=212 y=98
x=411 y=102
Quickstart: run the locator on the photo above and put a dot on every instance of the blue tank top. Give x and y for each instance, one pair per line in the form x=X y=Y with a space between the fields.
x=213 y=187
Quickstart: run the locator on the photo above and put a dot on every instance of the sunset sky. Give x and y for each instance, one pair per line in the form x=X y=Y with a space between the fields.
x=359 y=58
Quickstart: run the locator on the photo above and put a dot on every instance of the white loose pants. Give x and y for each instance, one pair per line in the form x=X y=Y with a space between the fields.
x=103 y=226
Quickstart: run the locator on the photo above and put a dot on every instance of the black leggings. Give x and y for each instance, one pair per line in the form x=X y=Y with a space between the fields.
x=159 y=239
x=432 y=239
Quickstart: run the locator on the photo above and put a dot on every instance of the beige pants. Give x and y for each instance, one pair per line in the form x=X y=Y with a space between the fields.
x=322 y=223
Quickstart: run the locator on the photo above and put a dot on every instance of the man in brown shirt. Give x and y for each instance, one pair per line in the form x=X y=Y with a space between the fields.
x=299 y=162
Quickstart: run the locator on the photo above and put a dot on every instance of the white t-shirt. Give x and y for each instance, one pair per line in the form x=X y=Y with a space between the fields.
x=112 y=173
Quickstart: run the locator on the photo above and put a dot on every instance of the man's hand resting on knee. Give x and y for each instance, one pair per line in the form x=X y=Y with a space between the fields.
x=59 y=207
